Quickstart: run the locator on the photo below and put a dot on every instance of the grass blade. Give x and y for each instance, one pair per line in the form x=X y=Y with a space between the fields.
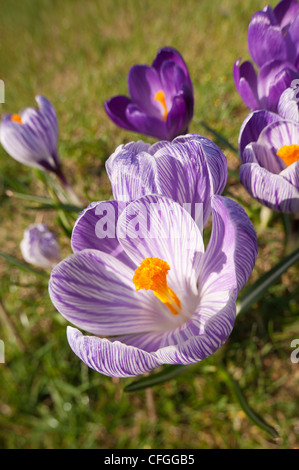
x=250 y=413
x=258 y=289
x=168 y=373
x=23 y=266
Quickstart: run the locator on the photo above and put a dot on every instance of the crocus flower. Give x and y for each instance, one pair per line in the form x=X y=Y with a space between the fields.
x=30 y=137
x=40 y=247
x=273 y=34
x=160 y=102
x=189 y=170
x=269 y=151
x=262 y=89
x=153 y=300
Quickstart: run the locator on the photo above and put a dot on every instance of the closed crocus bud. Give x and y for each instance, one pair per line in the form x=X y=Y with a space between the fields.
x=30 y=137
x=40 y=247
x=160 y=102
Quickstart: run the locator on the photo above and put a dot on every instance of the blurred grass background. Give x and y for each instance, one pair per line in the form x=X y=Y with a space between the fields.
x=78 y=54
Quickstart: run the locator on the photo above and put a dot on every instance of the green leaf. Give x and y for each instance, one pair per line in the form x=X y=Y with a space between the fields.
x=23 y=266
x=168 y=373
x=222 y=139
x=250 y=413
x=254 y=292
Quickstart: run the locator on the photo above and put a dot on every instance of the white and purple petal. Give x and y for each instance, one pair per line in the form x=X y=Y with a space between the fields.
x=114 y=359
x=272 y=190
x=95 y=292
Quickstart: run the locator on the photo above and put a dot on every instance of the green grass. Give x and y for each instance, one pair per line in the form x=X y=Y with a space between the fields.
x=78 y=54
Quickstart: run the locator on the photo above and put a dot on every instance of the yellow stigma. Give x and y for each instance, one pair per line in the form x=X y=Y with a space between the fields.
x=16 y=118
x=160 y=96
x=289 y=154
x=151 y=274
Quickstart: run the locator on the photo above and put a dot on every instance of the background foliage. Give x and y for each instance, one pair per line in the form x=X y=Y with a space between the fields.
x=78 y=54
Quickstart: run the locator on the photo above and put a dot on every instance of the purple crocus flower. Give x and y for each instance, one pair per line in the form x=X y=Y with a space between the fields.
x=273 y=34
x=273 y=43
x=160 y=102
x=40 y=247
x=269 y=151
x=189 y=170
x=153 y=300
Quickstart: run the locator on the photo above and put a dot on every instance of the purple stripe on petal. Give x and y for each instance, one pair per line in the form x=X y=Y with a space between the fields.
x=253 y=126
x=95 y=291
x=272 y=190
x=155 y=226
x=112 y=359
x=232 y=250
x=95 y=228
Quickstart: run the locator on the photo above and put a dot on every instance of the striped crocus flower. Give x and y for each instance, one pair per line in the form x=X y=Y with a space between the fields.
x=39 y=246
x=269 y=151
x=160 y=102
x=150 y=293
x=189 y=170
x=30 y=137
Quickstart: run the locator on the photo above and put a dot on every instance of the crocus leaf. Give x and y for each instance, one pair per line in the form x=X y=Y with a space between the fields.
x=168 y=373
x=258 y=289
x=250 y=413
x=25 y=267
x=222 y=139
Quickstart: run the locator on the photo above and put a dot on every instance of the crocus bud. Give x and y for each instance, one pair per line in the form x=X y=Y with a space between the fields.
x=40 y=247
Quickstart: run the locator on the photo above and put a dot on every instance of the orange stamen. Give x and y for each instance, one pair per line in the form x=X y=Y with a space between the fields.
x=16 y=118
x=160 y=97
x=151 y=274
x=289 y=154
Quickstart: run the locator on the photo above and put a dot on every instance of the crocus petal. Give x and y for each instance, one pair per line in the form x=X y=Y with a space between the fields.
x=267 y=41
x=19 y=141
x=286 y=11
x=143 y=84
x=95 y=228
x=95 y=291
x=145 y=124
x=273 y=78
x=200 y=346
x=116 y=107
x=131 y=174
x=170 y=54
x=252 y=127
x=232 y=250
x=155 y=226
x=180 y=113
x=51 y=124
x=291 y=174
x=272 y=190
x=113 y=359
x=246 y=83
x=288 y=104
